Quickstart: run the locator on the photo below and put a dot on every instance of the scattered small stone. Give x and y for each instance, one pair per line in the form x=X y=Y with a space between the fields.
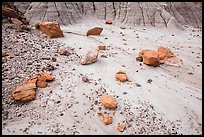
x=45 y=58
x=54 y=59
x=103 y=56
x=149 y=81
x=190 y=73
x=5 y=113
x=108 y=22
x=121 y=76
x=138 y=85
x=63 y=51
x=124 y=93
x=58 y=101
x=140 y=59
x=107 y=119
x=29 y=63
x=50 y=67
x=85 y=79
x=121 y=127
x=122 y=27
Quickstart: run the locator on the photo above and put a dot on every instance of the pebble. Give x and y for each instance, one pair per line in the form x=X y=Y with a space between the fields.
x=85 y=79
x=149 y=81
x=103 y=56
x=29 y=63
x=54 y=59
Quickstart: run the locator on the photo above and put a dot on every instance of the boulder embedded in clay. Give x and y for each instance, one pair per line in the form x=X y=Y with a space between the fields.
x=24 y=93
x=89 y=57
x=107 y=119
x=121 y=127
x=121 y=76
x=108 y=102
x=150 y=57
x=52 y=29
x=94 y=31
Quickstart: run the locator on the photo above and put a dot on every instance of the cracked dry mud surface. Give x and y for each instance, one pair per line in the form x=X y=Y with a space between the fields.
x=169 y=104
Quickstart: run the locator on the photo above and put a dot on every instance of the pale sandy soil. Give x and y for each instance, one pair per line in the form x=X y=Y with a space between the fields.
x=170 y=104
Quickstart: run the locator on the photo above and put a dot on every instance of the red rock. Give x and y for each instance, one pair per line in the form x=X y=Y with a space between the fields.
x=151 y=58
x=24 y=93
x=4 y=53
x=102 y=47
x=108 y=102
x=85 y=79
x=164 y=53
x=46 y=76
x=8 y=12
x=107 y=119
x=41 y=84
x=121 y=127
x=42 y=78
x=32 y=80
x=52 y=29
x=94 y=31
x=121 y=76
x=109 y=22
x=141 y=53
